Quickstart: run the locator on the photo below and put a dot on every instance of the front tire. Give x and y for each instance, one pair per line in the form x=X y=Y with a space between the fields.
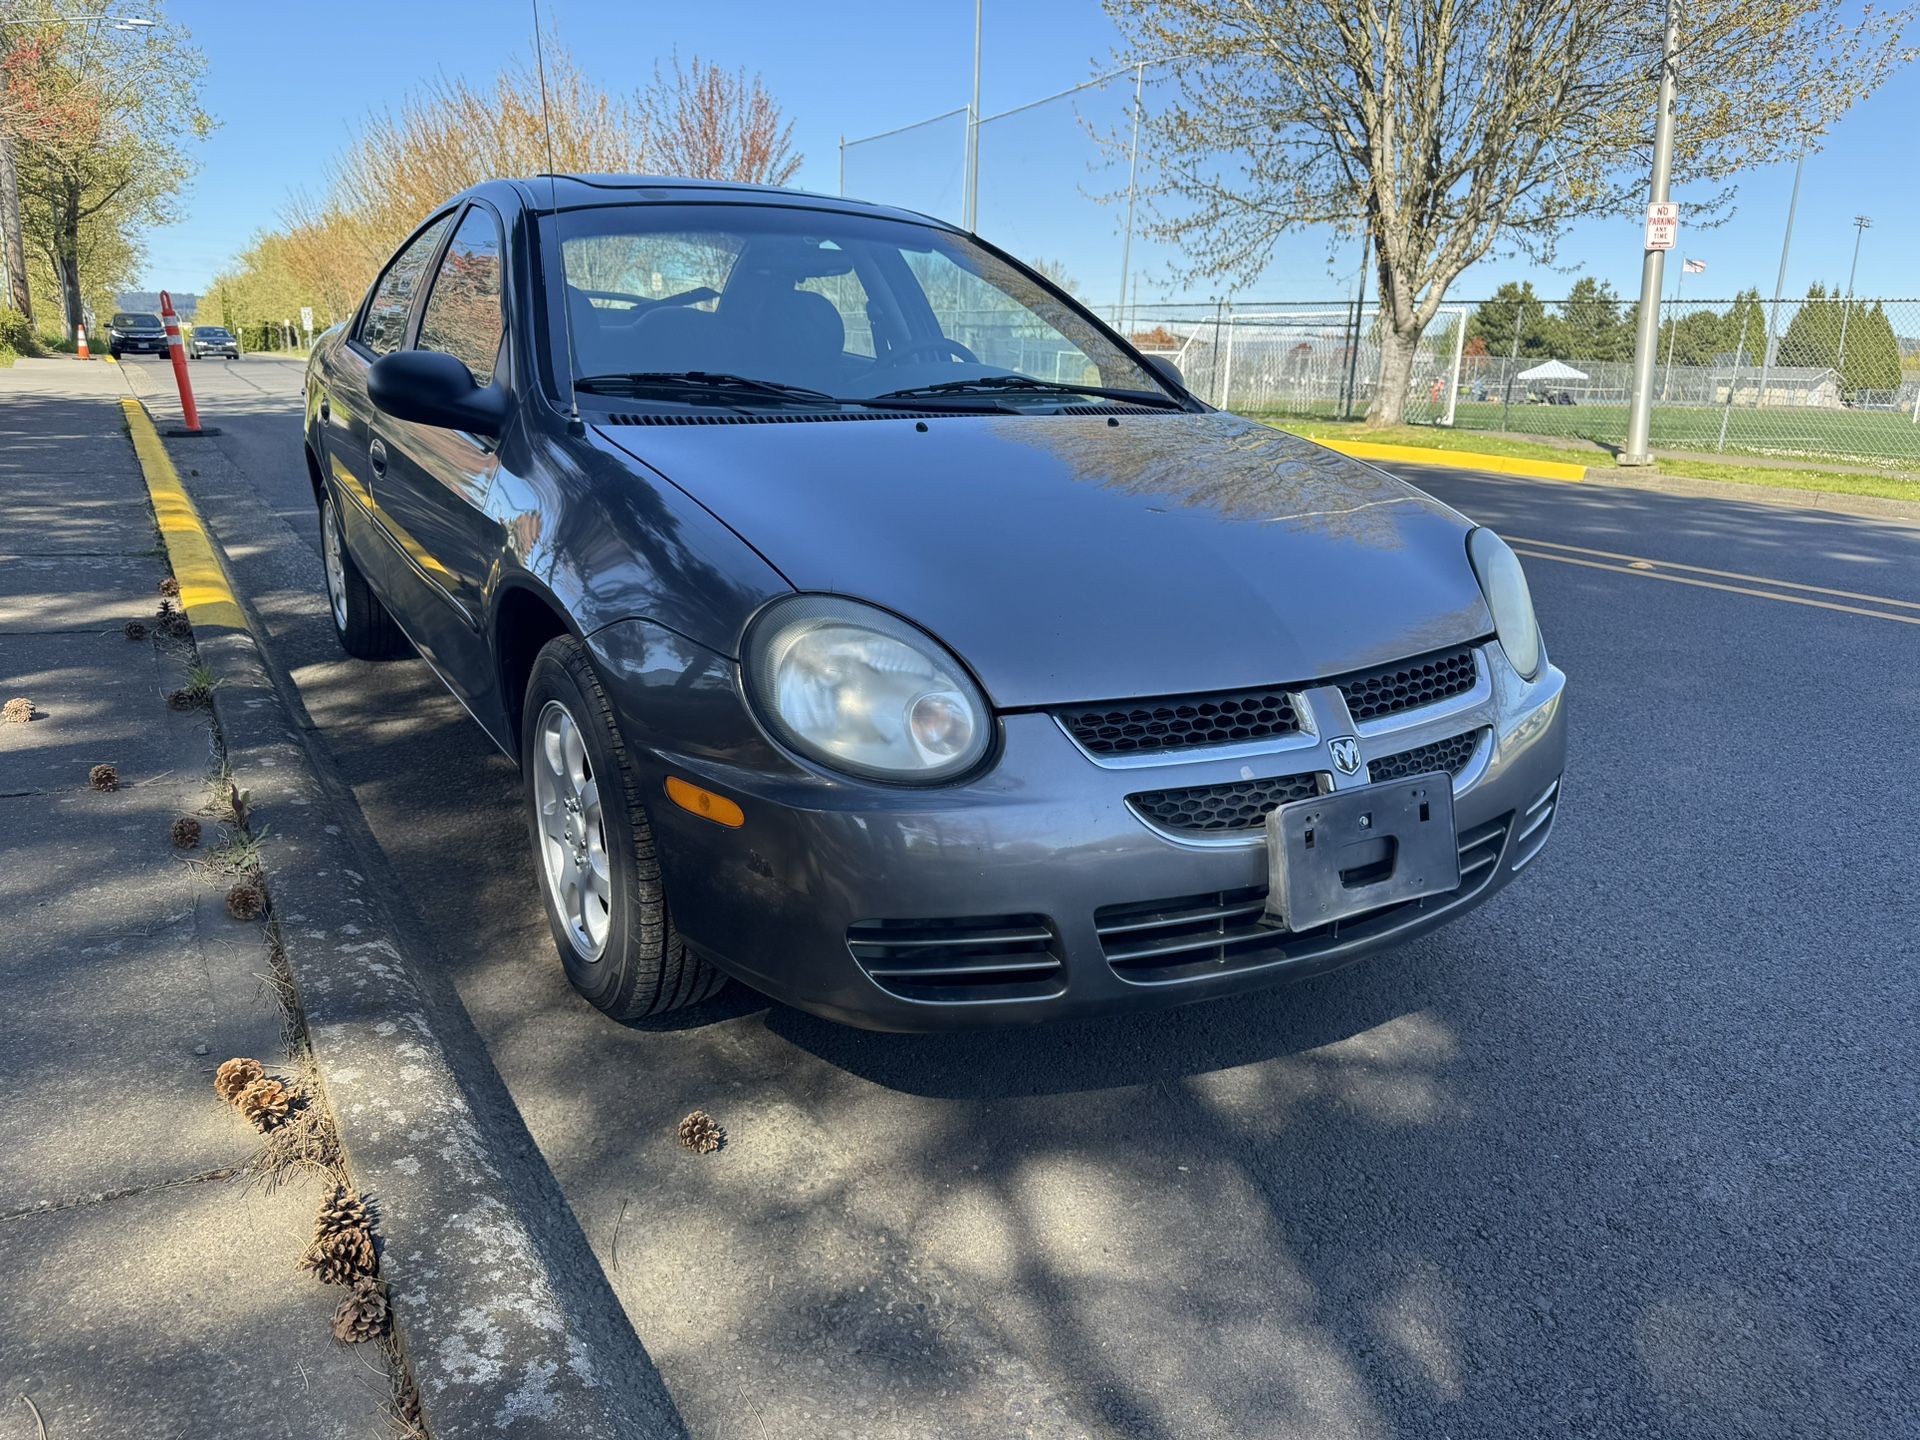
x=594 y=848
x=360 y=622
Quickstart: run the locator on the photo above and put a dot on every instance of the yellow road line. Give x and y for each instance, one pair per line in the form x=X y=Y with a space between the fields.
x=1456 y=459
x=204 y=592
x=1641 y=564
x=1716 y=585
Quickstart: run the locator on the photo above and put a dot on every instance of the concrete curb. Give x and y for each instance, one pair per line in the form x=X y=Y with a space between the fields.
x=1455 y=459
x=490 y=1322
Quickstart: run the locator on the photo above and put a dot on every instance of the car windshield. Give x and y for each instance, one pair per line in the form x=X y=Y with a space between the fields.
x=210 y=332
x=137 y=322
x=810 y=304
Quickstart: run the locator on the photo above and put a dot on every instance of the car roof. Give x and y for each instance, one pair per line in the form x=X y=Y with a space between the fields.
x=545 y=192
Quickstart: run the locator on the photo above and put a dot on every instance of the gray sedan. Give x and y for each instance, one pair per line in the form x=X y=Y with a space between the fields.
x=873 y=624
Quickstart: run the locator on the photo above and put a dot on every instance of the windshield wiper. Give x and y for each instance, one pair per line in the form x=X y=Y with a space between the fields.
x=987 y=384
x=698 y=382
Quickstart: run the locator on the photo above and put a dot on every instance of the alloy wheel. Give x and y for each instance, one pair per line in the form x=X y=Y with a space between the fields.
x=573 y=835
x=336 y=563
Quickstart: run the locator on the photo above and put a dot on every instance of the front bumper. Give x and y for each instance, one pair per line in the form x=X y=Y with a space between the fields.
x=140 y=344
x=1035 y=892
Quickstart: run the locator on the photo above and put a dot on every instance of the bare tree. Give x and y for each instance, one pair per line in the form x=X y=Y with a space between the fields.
x=713 y=124
x=1447 y=128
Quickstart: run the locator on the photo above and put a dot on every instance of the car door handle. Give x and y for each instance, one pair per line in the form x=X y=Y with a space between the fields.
x=377 y=457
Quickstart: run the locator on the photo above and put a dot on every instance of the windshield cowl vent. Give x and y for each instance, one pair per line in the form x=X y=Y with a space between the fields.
x=798 y=417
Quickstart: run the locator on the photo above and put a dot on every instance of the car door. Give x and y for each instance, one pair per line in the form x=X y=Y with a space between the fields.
x=431 y=484
x=346 y=414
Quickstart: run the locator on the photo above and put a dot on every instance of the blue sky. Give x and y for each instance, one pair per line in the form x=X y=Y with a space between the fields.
x=291 y=82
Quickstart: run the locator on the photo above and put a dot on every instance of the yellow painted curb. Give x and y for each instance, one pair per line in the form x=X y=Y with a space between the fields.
x=204 y=592
x=1456 y=459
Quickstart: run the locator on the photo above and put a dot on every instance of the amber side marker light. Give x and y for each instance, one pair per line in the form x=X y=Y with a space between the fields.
x=704 y=803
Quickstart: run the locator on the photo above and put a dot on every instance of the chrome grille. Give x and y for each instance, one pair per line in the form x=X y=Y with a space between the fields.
x=982 y=957
x=1450 y=755
x=1408 y=684
x=1222 y=809
x=1162 y=941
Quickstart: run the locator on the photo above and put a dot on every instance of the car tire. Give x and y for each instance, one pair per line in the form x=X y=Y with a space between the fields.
x=361 y=623
x=594 y=848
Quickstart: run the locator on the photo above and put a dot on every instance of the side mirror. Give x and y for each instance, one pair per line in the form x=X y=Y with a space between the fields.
x=430 y=387
x=1167 y=371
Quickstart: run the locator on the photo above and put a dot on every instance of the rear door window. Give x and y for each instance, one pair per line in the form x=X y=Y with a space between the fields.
x=385 y=323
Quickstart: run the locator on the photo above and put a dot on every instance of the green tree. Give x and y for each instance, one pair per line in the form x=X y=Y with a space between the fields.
x=1872 y=360
x=102 y=150
x=1594 y=328
x=1744 y=328
x=1492 y=322
x=1813 y=335
x=1694 y=338
x=1448 y=129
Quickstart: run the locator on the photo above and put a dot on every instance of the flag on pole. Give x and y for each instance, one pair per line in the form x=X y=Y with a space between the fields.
x=1695 y=267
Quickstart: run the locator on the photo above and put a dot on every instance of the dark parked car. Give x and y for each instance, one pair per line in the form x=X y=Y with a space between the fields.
x=133 y=334
x=872 y=623
x=212 y=340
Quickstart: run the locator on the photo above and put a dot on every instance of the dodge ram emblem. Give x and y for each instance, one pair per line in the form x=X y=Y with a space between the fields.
x=1346 y=754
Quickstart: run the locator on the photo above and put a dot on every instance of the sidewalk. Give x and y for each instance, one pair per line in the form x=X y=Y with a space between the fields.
x=152 y=1286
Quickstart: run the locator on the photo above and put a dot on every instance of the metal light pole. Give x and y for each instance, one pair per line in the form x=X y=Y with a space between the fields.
x=1133 y=169
x=972 y=207
x=1646 y=340
x=1780 y=280
x=1666 y=380
x=1861 y=224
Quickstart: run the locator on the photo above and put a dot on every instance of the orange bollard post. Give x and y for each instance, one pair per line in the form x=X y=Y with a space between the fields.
x=80 y=349
x=179 y=354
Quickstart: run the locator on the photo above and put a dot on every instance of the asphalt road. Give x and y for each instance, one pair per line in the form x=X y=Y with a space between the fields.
x=1631 y=1150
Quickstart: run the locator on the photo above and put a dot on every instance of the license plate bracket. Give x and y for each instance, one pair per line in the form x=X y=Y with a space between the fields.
x=1351 y=851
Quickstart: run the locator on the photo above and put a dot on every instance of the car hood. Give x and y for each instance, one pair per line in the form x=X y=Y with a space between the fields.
x=1073 y=557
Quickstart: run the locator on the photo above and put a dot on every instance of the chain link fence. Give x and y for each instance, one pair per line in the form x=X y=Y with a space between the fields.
x=1821 y=379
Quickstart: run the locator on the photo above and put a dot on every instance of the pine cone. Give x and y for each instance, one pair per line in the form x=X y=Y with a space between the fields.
x=343 y=1210
x=186 y=833
x=235 y=1076
x=267 y=1103
x=136 y=630
x=363 y=1314
x=104 y=777
x=182 y=700
x=247 y=900
x=17 y=711
x=169 y=586
x=342 y=1257
x=701 y=1133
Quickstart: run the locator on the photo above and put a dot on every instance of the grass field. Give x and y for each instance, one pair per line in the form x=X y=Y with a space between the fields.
x=1848 y=437
x=1860 y=437
x=1600 y=462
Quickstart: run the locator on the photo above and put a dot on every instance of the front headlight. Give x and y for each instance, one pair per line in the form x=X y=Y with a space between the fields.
x=1504 y=584
x=864 y=692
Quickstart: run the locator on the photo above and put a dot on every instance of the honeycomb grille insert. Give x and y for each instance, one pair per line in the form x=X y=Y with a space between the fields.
x=1222 y=809
x=1408 y=684
x=1450 y=755
x=1144 y=726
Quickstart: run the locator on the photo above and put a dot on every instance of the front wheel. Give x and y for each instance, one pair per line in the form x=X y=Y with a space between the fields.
x=360 y=622
x=598 y=863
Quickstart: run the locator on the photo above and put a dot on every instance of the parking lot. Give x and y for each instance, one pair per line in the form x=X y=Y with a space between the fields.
x=1628 y=1151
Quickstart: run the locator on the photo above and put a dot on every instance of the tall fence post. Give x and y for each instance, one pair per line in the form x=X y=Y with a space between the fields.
x=1739 y=354
x=1453 y=372
x=1226 y=380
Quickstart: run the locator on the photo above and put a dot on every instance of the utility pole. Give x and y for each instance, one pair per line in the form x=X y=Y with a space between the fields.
x=13 y=240
x=1646 y=341
x=1861 y=224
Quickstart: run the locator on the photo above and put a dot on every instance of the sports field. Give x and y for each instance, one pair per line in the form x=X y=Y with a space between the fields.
x=1862 y=437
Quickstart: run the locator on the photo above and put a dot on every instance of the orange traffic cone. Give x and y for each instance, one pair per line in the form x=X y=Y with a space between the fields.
x=81 y=331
